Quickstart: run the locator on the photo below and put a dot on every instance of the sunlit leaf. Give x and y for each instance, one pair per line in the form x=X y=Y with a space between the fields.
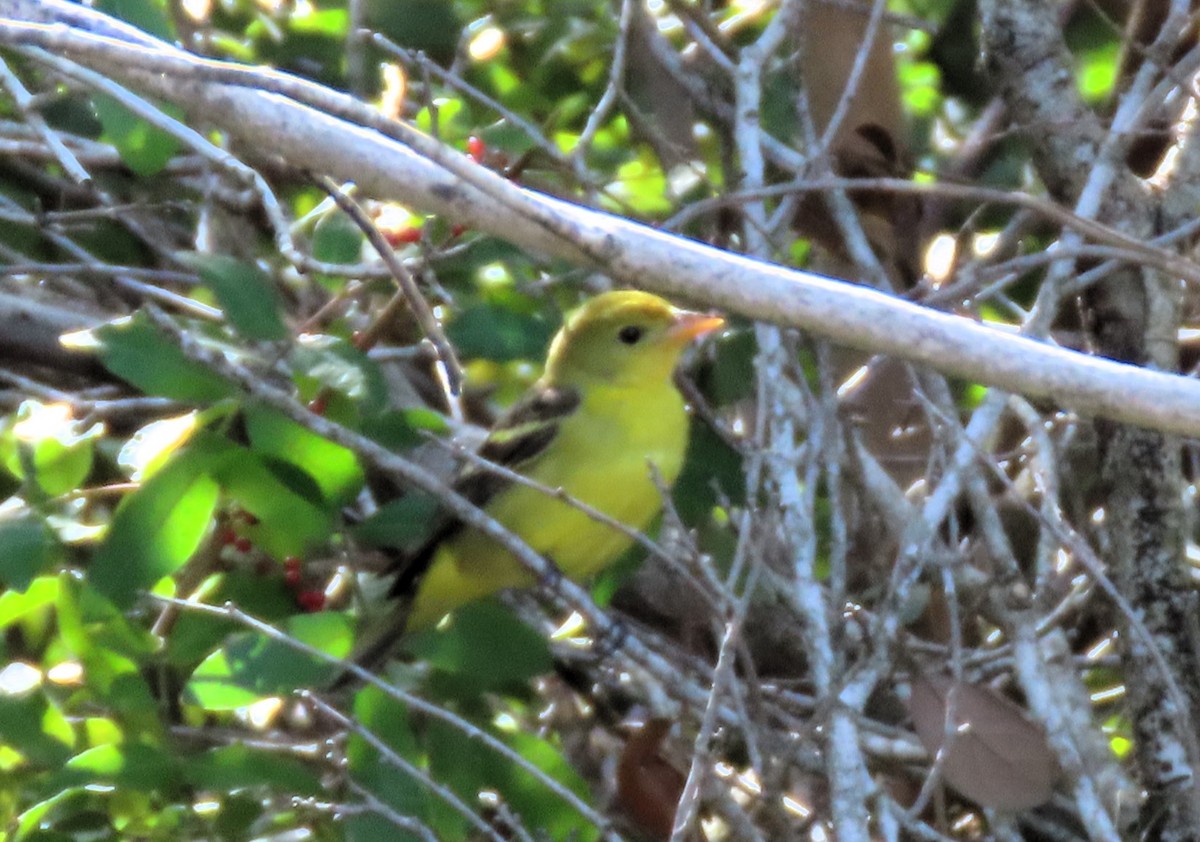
x=44 y=442
x=251 y=666
x=334 y=468
x=291 y=515
x=157 y=528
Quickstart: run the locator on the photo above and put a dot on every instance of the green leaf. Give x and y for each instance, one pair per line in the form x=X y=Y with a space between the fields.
x=431 y=26
x=486 y=648
x=16 y=606
x=157 y=528
x=527 y=795
x=292 y=516
x=134 y=765
x=197 y=634
x=237 y=767
x=402 y=430
x=334 y=468
x=31 y=820
x=251 y=666
x=400 y=523
x=334 y=363
x=22 y=726
x=1098 y=72
x=45 y=441
x=462 y=763
x=144 y=148
x=731 y=377
x=144 y=14
x=135 y=351
x=711 y=471
x=244 y=292
x=389 y=721
x=336 y=239
x=27 y=549
x=499 y=334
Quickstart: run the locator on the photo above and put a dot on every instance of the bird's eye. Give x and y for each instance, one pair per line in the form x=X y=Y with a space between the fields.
x=630 y=334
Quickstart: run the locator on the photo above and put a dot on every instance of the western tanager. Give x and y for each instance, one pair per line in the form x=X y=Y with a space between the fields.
x=604 y=410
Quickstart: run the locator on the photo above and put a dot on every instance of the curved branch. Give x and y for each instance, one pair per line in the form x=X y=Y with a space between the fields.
x=277 y=112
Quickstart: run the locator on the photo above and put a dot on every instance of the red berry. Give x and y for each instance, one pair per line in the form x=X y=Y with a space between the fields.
x=292 y=574
x=318 y=405
x=476 y=148
x=407 y=234
x=243 y=545
x=311 y=601
x=228 y=536
x=457 y=230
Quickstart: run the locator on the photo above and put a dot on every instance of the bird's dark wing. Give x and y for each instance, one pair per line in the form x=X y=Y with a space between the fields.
x=519 y=437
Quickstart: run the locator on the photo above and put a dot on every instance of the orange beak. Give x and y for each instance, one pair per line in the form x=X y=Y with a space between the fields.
x=689 y=325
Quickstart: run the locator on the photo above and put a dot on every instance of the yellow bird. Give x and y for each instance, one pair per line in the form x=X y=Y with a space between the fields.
x=604 y=410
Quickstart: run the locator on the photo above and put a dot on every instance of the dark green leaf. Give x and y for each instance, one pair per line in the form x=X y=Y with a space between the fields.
x=428 y=25
x=711 y=470
x=244 y=291
x=389 y=721
x=22 y=721
x=499 y=334
x=236 y=767
x=195 y=635
x=134 y=351
x=336 y=239
x=27 y=549
x=144 y=14
x=134 y=765
x=485 y=648
x=400 y=523
x=403 y=430
x=459 y=761
x=731 y=377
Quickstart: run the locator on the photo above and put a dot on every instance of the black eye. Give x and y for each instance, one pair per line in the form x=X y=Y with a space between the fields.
x=630 y=334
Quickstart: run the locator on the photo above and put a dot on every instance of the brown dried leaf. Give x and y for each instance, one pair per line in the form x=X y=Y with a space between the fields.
x=890 y=419
x=648 y=787
x=660 y=97
x=997 y=757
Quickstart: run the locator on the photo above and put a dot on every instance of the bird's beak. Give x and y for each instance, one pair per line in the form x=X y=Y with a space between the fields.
x=689 y=325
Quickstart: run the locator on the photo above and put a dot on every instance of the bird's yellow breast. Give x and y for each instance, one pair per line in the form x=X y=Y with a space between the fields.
x=601 y=455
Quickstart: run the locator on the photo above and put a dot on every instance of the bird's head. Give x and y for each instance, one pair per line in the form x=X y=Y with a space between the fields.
x=623 y=338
